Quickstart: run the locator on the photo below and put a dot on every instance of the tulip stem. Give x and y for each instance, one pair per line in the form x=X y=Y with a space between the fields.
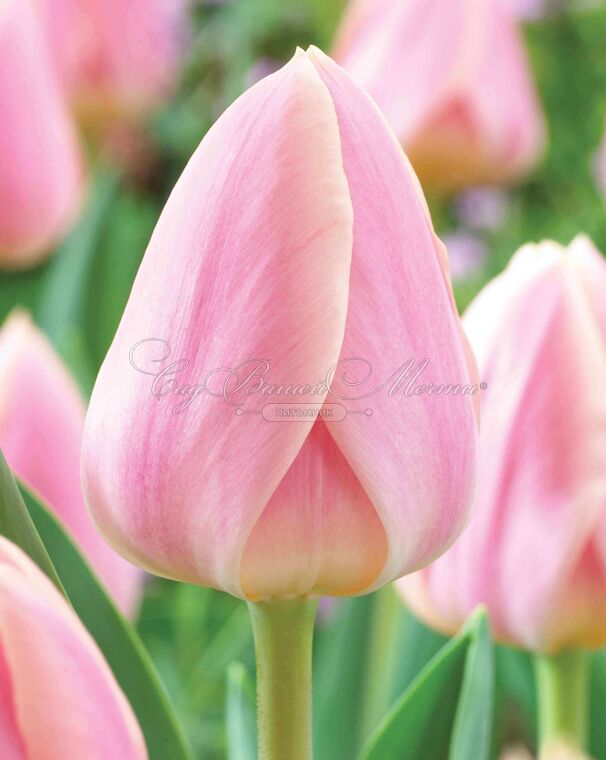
x=563 y=692
x=283 y=631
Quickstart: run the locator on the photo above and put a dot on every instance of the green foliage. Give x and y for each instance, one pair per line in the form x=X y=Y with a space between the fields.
x=447 y=710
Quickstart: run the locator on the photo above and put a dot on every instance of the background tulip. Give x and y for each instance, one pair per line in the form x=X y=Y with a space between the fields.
x=453 y=81
x=535 y=552
x=116 y=55
x=58 y=697
x=298 y=233
x=41 y=423
x=40 y=175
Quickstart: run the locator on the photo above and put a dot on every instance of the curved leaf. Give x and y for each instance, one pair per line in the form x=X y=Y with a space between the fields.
x=16 y=523
x=420 y=724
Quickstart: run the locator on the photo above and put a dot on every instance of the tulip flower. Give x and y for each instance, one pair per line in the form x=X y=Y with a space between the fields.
x=59 y=698
x=41 y=424
x=454 y=83
x=535 y=552
x=41 y=177
x=298 y=235
x=116 y=55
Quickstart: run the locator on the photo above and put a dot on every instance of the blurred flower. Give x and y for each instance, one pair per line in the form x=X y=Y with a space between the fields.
x=562 y=751
x=527 y=10
x=41 y=423
x=261 y=69
x=515 y=752
x=557 y=751
x=482 y=208
x=535 y=552
x=59 y=697
x=40 y=174
x=116 y=57
x=454 y=83
x=297 y=233
x=466 y=253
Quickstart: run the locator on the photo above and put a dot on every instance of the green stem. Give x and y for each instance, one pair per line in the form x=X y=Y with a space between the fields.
x=563 y=692
x=283 y=631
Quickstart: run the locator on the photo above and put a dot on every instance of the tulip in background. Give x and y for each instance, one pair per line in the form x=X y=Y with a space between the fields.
x=58 y=698
x=535 y=552
x=453 y=81
x=116 y=56
x=40 y=169
x=297 y=233
x=41 y=424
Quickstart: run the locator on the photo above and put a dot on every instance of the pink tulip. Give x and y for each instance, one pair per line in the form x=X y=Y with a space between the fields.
x=40 y=172
x=453 y=81
x=297 y=234
x=116 y=55
x=535 y=552
x=41 y=423
x=58 y=698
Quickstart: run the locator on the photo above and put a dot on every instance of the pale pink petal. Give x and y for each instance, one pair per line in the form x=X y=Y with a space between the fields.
x=453 y=81
x=121 y=54
x=41 y=425
x=11 y=746
x=250 y=260
x=319 y=532
x=40 y=176
x=542 y=485
x=415 y=456
x=410 y=56
x=591 y=267
x=66 y=701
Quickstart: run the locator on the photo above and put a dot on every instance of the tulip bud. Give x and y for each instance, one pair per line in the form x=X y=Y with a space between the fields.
x=553 y=751
x=453 y=81
x=535 y=551
x=562 y=750
x=116 y=56
x=296 y=238
x=40 y=178
x=59 y=698
x=41 y=424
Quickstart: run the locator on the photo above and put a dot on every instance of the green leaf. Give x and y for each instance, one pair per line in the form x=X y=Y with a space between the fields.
x=16 y=523
x=240 y=714
x=420 y=724
x=63 y=301
x=471 y=735
x=597 y=724
x=341 y=650
x=116 y=638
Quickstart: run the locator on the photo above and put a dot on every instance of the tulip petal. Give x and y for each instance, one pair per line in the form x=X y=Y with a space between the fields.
x=66 y=701
x=11 y=746
x=41 y=426
x=41 y=177
x=250 y=261
x=319 y=533
x=591 y=267
x=380 y=39
x=415 y=456
x=542 y=486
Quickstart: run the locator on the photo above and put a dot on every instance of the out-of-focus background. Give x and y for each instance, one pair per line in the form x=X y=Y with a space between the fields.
x=130 y=123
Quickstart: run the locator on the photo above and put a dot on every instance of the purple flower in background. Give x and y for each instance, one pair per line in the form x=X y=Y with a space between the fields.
x=466 y=252
x=528 y=10
x=482 y=208
x=260 y=69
